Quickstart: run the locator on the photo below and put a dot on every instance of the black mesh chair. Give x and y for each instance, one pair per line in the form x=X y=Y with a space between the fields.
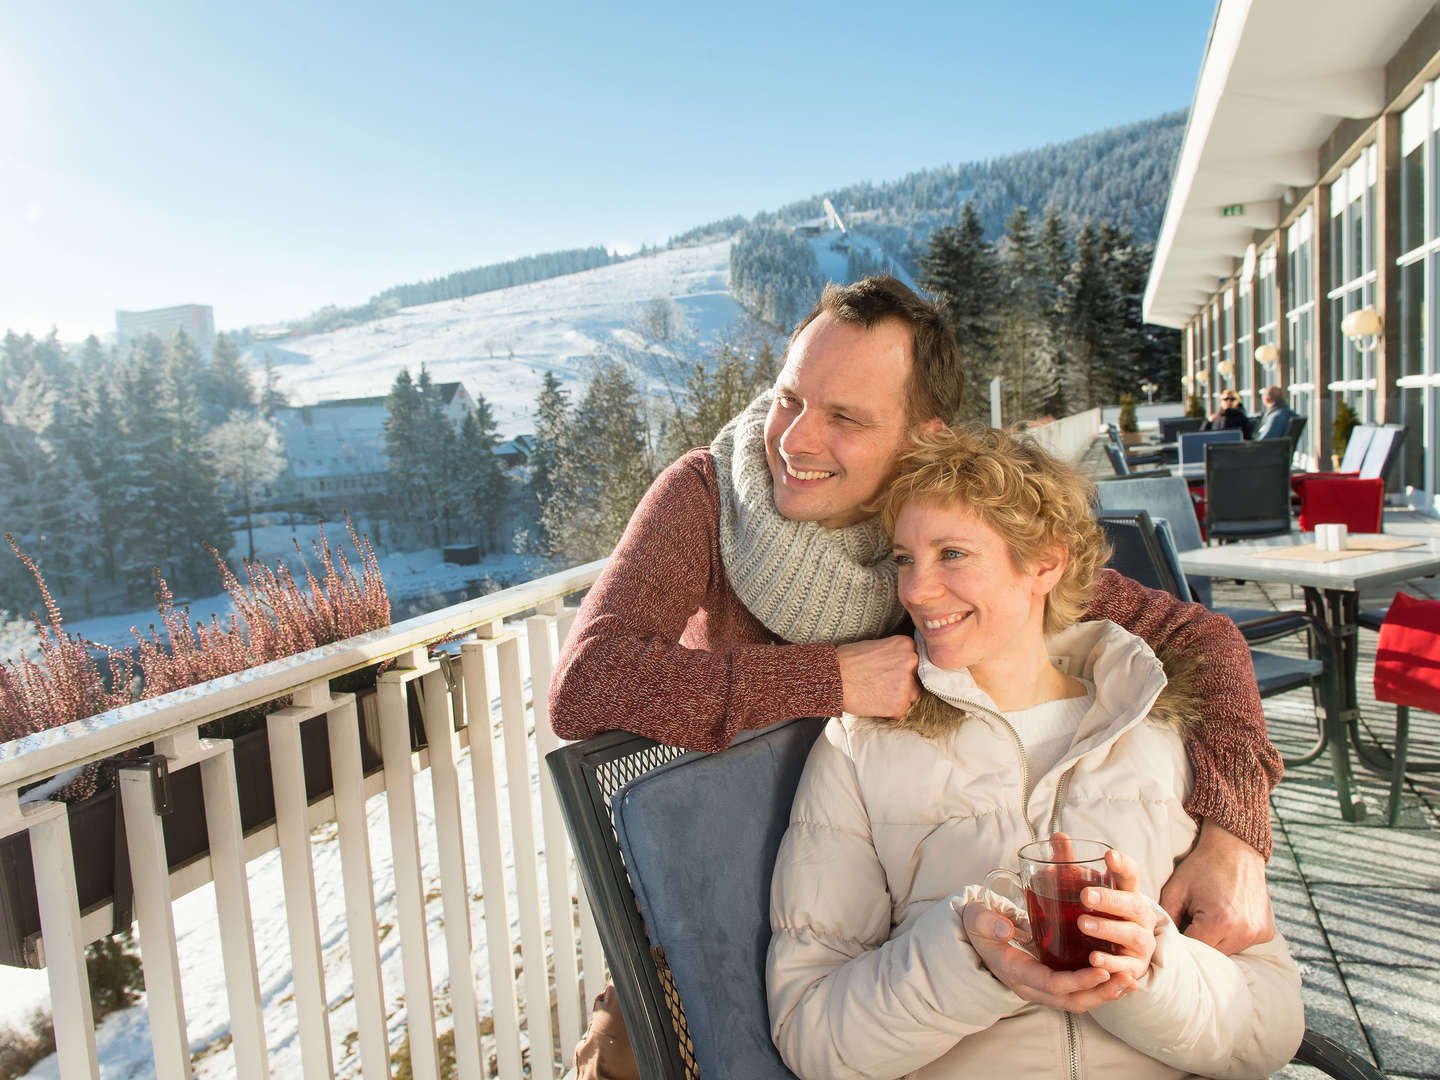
x=676 y=850
x=1295 y=428
x=694 y=925
x=1247 y=490
x=1147 y=555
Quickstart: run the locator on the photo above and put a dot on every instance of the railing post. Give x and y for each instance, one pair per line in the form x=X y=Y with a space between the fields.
x=348 y=772
x=302 y=910
x=592 y=954
x=232 y=908
x=557 y=846
x=405 y=856
x=527 y=879
x=151 y=876
x=454 y=894
x=74 y=1022
x=492 y=851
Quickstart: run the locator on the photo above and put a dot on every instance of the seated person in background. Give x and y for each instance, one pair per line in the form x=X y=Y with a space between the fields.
x=1229 y=415
x=886 y=958
x=1277 y=416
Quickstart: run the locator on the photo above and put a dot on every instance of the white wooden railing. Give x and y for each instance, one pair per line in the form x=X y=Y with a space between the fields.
x=491 y=759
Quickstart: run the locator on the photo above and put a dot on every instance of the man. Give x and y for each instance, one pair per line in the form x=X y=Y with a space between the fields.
x=1276 y=420
x=753 y=585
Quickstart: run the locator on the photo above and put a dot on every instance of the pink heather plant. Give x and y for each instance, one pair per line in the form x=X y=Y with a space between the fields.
x=274 y=617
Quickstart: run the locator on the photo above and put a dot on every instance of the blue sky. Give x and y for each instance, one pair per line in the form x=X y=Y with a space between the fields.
x=270 y=158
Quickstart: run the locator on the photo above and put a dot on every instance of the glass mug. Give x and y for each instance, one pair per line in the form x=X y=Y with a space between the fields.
x=1052 y=874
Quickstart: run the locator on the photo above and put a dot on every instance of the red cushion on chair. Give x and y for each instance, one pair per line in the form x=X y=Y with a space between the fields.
x=1407 y=659
x=1299 y=480
x=1342 y=500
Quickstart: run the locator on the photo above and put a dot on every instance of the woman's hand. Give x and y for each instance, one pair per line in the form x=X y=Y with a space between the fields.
x=1029 y=979
x=1127 y=920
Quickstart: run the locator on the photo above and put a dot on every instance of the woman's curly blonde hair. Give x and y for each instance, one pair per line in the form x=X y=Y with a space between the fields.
x=1033 y=500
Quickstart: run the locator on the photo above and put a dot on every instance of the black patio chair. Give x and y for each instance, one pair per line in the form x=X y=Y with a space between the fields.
x=1295 y=428
x=1147 y=555
x=1121 y=464
x=702 y=894
x=1132 y=457
x=1169 y=499
x=1247 y=490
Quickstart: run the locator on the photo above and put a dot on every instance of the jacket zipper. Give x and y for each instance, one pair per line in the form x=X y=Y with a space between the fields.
x=1072 y=1036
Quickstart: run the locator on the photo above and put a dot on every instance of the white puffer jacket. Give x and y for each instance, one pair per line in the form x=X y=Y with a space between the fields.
x=870 y=971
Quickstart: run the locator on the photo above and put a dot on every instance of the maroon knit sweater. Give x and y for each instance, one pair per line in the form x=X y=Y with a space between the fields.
x=663 y=647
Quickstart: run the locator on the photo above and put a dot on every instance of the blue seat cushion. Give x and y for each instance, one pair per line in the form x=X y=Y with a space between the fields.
x=1278 y=628
x=1275 y=674
x=699 y=837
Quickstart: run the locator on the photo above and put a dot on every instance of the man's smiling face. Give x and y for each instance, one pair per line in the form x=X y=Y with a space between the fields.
x=838 y=419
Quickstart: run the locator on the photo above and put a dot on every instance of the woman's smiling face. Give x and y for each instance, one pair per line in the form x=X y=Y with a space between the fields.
x=958 y=581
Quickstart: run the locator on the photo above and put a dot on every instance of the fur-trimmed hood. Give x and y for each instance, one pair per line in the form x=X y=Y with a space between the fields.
x=1131 y=682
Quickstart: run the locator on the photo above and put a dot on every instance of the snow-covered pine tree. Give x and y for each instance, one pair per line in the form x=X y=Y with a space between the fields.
x=481 y=480
x=601 y=469
x=552 y=408
x=1031 y=382
x=196 y=516
x=226 y=389
x=1090 y=314
x=962 y=269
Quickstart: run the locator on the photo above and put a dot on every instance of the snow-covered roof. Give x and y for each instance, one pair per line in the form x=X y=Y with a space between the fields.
x=335 y=438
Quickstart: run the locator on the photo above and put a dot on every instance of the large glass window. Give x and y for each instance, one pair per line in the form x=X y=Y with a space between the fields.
x=1300 y=313
x=1226 y=367
x=1352 y=279
x=1416 y=375
x=1245 y=345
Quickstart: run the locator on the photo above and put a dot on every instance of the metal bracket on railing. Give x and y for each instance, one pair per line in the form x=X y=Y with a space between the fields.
x=158 y=766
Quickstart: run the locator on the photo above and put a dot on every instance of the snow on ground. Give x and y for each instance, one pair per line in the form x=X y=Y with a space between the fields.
x=123 y=1039
x=501 y=343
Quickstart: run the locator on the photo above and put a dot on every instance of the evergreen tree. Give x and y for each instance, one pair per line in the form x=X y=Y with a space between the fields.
x=1090 y=309
x=483 y=483
x=552 y=409
x=962 y=269
x=143 y=452
x=421 y=444
x=227 y=389
x=189 y=483
x=1030 y=380
x=271 y=396
x=601 y=470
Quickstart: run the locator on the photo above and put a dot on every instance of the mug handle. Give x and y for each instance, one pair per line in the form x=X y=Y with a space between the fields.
x=999 y=882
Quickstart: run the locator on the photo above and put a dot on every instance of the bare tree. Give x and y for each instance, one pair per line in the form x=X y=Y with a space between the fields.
x=248 y=454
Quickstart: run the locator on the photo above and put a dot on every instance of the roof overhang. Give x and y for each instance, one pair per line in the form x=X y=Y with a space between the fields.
x=1277 y=77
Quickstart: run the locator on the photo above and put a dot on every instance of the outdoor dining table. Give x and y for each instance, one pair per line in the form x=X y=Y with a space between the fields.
x=1331 y=581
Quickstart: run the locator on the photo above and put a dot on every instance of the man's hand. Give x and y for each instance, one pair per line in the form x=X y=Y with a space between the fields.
x=1220 y=886
x=1029 y=979
x=878 y=677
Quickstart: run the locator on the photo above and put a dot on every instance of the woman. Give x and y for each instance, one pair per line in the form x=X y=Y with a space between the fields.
x=1031 y=723
x=1229 y=415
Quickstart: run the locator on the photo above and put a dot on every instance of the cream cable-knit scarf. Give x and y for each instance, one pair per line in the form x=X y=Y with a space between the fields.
x=806 y=583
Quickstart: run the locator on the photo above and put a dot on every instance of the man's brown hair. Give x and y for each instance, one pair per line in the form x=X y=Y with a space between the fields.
x=936 y=381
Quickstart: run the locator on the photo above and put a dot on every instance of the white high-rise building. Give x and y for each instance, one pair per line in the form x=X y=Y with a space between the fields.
x=197 y=320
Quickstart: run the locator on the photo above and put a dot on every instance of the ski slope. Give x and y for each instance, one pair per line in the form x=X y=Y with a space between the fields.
x=502 y=343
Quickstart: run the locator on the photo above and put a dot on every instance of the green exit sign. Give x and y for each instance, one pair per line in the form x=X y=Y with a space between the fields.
x=1233 y=210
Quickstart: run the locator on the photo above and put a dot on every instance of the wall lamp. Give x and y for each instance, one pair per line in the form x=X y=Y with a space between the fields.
x=1362 y=328
x=1267 y=355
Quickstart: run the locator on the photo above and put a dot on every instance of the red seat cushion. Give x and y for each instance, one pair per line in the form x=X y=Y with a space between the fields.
x=1299 y=480
x=1342 y=500
x=1407 y=659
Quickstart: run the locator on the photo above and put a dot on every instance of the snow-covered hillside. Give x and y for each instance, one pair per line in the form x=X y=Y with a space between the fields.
x=501 y=343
